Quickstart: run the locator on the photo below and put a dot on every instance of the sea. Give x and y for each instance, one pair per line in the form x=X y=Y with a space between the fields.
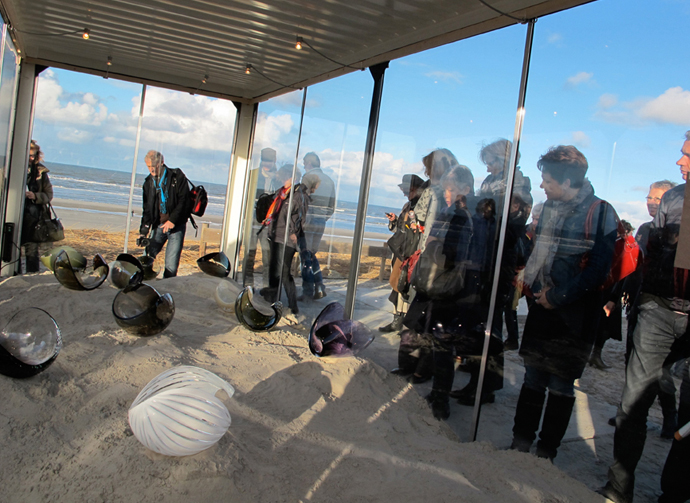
x=106 y=186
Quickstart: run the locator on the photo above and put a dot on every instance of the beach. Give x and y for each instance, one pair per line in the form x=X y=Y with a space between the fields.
x=303 y=428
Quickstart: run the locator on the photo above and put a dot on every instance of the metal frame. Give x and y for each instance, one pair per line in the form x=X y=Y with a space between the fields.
x=519 y=119
x=377 y=72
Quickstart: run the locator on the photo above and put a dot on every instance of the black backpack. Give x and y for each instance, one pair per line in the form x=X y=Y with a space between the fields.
x=198 y=198
x=263 y=204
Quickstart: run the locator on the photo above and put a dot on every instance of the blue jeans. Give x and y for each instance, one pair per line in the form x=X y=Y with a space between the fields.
x=539 y=379
x=175 y=239
x=657 y=328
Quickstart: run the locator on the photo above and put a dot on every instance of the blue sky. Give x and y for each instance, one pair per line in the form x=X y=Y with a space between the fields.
x=607 y=75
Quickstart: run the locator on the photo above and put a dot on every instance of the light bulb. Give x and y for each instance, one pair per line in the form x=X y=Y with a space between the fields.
x=86 y=33
x=298 y=45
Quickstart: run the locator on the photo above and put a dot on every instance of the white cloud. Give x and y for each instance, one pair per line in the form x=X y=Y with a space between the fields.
x=180 y=119
x=671 y=107
x=78 y=136
x=579 y=78
x=607 y=101
x=53 y=107
x=452 y=77
x=580 y=139
x=634 y=212
x=554 y=38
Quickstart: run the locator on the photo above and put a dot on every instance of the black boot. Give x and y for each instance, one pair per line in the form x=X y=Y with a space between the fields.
x=596 y=361
x=559 y=408
x=440 y=405
x=668 y=408
x=395 y=325
x=527 y=416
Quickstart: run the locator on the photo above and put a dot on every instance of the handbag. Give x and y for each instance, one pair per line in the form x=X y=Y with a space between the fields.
x=48 y=229
x=434 y=279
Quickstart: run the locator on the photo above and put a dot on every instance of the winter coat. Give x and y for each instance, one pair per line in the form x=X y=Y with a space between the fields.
x=560 y=340
x=178 y=202
x=298 y=212
x=661 y=278
x=37 y=209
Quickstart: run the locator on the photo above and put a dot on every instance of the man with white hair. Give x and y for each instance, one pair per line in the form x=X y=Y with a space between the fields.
x=166 y=209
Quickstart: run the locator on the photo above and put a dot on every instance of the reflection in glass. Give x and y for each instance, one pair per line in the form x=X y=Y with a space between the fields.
x=29 y=343
x=333 y=336
x=215 y=264
x=178 y=413
x=255 y=313
x=124 y=270
x=570 y=261
x=80 y=278
x=226 y=294
x=141 y=310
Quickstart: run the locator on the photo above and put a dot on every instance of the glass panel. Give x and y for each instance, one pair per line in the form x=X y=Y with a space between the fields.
x=7 y=95
x=194 y=135
x=329 y=164
x=439 y=109
x=275 y=146
x=85 y=127
x=575 y=336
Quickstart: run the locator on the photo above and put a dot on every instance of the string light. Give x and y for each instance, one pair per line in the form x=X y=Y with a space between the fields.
x=205 y=79
x=110 y=61
x=301 y=41
x=86 y=34
x=298 y=45
x=248 y=70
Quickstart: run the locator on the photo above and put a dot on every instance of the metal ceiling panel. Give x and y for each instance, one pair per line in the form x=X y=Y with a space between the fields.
x=176 y=43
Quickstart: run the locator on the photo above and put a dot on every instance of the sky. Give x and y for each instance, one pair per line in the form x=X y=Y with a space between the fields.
x=609 y=77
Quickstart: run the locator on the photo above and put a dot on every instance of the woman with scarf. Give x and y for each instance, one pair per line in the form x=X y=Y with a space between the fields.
x=295 y=199
x=39 y=192
x=564 y=272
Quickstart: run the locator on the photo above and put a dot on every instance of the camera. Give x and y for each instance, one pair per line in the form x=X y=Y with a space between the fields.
x=143 y=242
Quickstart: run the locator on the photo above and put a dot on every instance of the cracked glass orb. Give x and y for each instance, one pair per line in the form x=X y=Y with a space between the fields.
x=215 y=264
x=76 y=259
x=124 y=269
x=255 y=313
x=333 y=336
x=80 y=278
x=29 y=343
x=141 y=310
x=149 y=271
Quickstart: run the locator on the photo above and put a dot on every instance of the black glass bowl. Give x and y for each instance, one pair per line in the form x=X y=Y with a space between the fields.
x=215 y=264
x=76 y=278
x=124 y=270
x=141 y=310
x=255 y=313
x=147 y=263
x=332 y=336
x=29 y=343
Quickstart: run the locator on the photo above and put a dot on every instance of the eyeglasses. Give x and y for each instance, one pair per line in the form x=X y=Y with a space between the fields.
x=654 y=199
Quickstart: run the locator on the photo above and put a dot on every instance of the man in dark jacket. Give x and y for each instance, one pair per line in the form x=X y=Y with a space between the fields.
x=565 y=270
x=660 y=339
x=166 y=209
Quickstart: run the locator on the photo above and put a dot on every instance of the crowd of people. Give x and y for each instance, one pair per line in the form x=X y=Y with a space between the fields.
x=452 y=266
x=447 y=269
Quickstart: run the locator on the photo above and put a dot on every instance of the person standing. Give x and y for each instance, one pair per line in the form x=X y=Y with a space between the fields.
x=39 y=193
x=660 y=339
x=166 y=209
x=321 y=208
x=564 y=272
x=402 y=244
